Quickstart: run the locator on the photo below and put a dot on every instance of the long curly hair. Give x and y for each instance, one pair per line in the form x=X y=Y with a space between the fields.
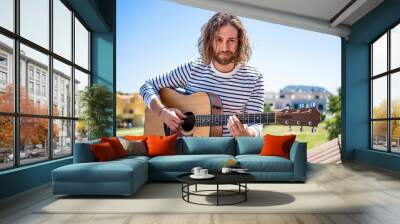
x=205 y=42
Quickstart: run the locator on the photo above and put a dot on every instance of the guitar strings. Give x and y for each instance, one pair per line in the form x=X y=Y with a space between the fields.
x=199 y=122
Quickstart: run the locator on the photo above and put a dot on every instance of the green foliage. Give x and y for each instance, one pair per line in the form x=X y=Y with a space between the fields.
x=333 y=125
x=96 y=102
x=267 y=108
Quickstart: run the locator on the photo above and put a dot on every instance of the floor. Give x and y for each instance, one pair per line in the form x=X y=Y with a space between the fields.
x=379 y=189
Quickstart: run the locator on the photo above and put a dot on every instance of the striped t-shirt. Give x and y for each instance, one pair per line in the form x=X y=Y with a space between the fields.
x=240 y=90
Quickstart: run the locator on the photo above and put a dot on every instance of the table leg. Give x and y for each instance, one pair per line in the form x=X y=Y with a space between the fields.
x=188 y=190
x=217 y=194
x=245 y=193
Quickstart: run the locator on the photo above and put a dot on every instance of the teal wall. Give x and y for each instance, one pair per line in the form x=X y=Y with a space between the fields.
x=355 y=82
x=24 y=178
x=102 y=63
x=99 y=16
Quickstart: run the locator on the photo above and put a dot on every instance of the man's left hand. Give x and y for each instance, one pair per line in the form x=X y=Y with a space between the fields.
x=237 y=128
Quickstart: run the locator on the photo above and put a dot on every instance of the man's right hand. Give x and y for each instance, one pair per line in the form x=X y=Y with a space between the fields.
x=172 y=117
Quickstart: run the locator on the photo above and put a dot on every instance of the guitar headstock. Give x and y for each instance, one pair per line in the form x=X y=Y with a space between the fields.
x=299 y=117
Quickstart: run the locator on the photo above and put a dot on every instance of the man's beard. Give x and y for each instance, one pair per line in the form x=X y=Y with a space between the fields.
x=223 y=60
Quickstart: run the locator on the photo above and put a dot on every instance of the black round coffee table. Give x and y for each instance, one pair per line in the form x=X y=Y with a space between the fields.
x=238 y=179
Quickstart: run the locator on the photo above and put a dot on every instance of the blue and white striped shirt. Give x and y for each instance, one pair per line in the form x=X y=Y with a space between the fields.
x=240 y=90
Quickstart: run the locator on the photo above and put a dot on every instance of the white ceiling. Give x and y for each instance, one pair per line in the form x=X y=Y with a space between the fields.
x=315 y=15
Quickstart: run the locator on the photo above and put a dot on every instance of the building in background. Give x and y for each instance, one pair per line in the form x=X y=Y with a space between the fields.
x=34 y=80
x=130 y=110
x=301 y=96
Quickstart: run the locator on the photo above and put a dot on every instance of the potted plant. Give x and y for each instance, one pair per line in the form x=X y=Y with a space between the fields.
x=96 y=102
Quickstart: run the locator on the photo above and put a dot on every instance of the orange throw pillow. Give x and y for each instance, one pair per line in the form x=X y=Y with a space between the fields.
x=277 y=145
x=161 y=145
x=116 y=145
x=103 y=151
x=136 y=137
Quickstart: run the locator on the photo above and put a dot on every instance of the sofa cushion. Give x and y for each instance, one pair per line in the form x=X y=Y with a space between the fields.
x=132 y=158
x=161 y=145
x=277 y=145
x=111 y=171
x=134 y=147
x=103 y=151
x=136 y=137
x=116 y=145
x=206 y=145
x=257 y=163
x=249 y=145
x=185 y=163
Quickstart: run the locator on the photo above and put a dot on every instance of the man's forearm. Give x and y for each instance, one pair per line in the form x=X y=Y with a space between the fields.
x=156 y=105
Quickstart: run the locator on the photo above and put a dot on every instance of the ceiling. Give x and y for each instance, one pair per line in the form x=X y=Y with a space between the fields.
x=326 y=16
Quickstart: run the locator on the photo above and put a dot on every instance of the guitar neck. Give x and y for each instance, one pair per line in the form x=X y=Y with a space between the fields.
x=247 y=118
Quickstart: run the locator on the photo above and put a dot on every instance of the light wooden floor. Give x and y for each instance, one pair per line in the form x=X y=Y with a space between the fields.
x=377 y=188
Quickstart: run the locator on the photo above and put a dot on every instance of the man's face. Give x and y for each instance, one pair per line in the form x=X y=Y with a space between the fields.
x=225 y=44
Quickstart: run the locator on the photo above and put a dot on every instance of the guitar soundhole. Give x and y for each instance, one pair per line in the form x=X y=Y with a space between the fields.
x=189 y=122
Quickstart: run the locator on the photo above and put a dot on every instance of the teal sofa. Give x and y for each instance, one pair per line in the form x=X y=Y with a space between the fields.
x=125 y=176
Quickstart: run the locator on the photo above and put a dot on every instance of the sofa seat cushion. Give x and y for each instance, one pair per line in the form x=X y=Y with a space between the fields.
x=257 y=163
x=111 y=171
x=185 y=163
x=133 y=157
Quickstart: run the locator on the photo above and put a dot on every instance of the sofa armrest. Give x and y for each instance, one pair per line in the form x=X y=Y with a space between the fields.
x=298 y=155
x=83 y=152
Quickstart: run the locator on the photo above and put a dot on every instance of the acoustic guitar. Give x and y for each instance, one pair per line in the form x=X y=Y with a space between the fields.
x=205 y=115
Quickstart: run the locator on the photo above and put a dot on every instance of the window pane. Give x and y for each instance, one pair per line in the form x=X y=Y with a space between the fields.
x=62 y=138
x=81 y=131
x=379 y=100
x=62 y=89
x=6 y=142
x=81 y=45
x=6 y=74
x=7 y=14
x=379 y=135
x=62 y=29
x=379 y=55
x=395 y=136
x=395 y=94
x=34 y=72
x=33 y=140
x=35 y=21
x=395 y=47
x=81 y=81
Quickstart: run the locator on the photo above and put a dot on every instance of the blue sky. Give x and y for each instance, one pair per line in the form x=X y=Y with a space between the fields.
x=154 y=36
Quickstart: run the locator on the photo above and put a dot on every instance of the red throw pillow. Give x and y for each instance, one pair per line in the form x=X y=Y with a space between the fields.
x=116 y=145
x=136 y=137
x=161 y=145
x=277 y=145
x=103 y=151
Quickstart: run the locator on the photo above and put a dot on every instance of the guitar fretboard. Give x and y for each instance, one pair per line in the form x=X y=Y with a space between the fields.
x=222 y=119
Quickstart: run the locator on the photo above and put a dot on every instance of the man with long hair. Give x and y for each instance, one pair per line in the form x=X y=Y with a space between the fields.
x=222 y=70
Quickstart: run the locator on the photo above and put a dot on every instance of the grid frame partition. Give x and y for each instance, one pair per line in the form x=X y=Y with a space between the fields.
x=384 y=109
x=26 y=124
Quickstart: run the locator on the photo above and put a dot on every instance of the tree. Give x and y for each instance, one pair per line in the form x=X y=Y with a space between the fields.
x=267 y=108
x=334 y=124
x=33 y=130
x=379 y=128
x=96 y=102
